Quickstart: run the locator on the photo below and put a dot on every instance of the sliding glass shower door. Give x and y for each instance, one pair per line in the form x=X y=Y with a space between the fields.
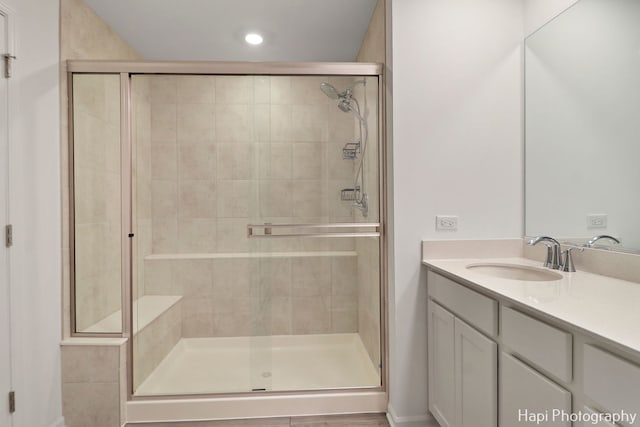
x=315 y=234
x=256 y=245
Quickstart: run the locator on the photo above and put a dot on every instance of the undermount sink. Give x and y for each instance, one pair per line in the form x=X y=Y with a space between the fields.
x=515 y=272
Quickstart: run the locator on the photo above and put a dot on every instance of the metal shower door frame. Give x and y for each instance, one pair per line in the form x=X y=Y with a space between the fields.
x=128 y=68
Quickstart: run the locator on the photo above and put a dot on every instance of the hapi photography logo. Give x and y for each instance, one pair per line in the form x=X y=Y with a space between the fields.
x=560 y=415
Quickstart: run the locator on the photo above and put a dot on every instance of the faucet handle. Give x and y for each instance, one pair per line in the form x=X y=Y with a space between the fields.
x=567 y=262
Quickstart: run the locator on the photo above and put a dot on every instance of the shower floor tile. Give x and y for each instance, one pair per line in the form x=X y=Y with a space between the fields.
x=278 y=363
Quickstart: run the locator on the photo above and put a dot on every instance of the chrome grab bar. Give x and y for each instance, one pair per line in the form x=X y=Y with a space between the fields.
x=269 y=230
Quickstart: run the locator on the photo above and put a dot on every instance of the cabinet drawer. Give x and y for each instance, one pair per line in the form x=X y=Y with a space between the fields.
x=611 y=381
x=476 y=309
x=525 y=393
x=544 y=346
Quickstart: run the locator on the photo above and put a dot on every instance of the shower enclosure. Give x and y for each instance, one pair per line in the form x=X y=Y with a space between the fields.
x=228 y=219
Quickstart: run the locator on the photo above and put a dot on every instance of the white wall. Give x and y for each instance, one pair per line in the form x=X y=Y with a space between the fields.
x=538 y=12
x=457 y=149
x=35 y=214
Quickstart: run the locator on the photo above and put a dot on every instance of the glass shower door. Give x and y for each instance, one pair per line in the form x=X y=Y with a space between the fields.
x=97 y=227
x=199 y=317
x=257 y=248
x=314 y=233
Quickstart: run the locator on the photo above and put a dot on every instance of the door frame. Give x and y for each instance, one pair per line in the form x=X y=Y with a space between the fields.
x=8 y=359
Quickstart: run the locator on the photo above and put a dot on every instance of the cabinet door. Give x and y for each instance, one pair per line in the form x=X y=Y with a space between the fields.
x=527 y=397
x=441 y=365
x=476 y=376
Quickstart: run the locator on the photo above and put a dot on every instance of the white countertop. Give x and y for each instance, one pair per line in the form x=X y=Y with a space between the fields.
x=599 y=305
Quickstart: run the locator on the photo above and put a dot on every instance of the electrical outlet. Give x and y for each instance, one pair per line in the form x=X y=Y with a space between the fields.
x=597 y=221
x=446 y=222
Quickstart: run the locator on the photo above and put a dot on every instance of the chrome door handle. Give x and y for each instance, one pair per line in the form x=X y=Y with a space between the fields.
x=270 y=230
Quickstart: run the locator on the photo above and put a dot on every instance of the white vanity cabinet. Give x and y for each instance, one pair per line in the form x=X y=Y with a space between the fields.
x=543 y=346
x=500 y=357
x=528 y=397
x=441 y=364
x=612 y=382
x=496 y=362
x=533 y=352
x=476 y=374
x=463 y=362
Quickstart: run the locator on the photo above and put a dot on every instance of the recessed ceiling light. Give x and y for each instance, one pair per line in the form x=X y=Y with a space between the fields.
x=253 y=38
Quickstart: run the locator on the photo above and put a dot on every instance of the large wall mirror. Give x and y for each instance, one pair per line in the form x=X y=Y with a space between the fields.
x=583 y=124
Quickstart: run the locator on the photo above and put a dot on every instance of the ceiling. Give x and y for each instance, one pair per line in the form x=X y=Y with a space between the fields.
x=214 y=30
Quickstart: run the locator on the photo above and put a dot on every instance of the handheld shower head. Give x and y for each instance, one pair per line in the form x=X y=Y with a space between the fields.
x=348 y=103
x=347 y=107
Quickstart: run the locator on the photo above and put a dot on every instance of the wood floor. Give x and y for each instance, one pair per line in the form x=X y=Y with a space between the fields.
x=367 y=420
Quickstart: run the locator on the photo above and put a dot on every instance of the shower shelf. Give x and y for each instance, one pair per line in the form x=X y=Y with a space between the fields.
x=351 y=150
x=349 y=194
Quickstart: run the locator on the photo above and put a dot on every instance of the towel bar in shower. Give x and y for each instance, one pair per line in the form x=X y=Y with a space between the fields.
x=372 y=229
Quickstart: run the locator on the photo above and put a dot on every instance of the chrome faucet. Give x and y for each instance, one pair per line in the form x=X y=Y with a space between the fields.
x=556 y=257
x=553 y=250
x=591 y=242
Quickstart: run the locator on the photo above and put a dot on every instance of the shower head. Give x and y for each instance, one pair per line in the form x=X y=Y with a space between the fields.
x=333 y=93
x=346 y=99
x=330 y=91
x=346 y=106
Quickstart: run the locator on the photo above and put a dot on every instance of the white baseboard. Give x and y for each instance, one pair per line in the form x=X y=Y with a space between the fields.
x=58 y=423
x=409 y=421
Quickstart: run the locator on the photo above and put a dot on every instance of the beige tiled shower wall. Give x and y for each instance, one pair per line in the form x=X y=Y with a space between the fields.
x=245 y=296
x=373 y=45
x=141 y=173
x=83 y=35
x=369 y=286
x=94 y=384
x=153 y=342
x=368 y=277
x=368 y=249
x=226 y=151
x=97 y=197
x=229 y=150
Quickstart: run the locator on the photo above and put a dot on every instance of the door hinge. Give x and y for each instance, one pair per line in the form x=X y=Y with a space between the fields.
x=8 y=235
x=12 y=402
x=8 y=59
